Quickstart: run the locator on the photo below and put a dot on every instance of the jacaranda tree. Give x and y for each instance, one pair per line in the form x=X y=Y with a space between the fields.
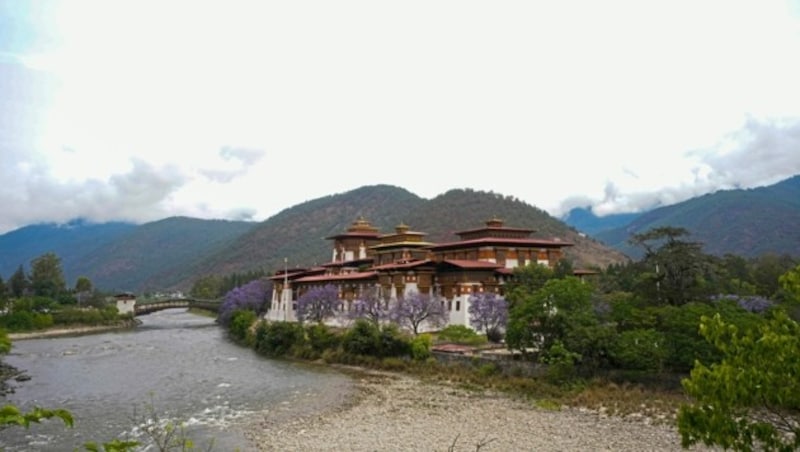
x=415 y=308
x=488 y=312
x=318 y=304
x=251 y=296
x=369 y=306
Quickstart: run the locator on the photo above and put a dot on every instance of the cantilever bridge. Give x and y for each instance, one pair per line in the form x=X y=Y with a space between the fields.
x=147 y=308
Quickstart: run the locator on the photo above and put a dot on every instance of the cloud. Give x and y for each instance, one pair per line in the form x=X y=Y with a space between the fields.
x=32 y=195
x=239 y=160
x=761 y=152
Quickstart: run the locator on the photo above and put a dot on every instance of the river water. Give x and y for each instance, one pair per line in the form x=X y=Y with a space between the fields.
x=176 y=367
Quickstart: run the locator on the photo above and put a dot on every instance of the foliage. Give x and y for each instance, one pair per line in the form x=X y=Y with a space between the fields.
x=675 y=266
x=639 y=349
x=460 y=334
x=278 y=338
x=11 y=415
x=250 y=296
x=751 y=399
x=83 y=284
x=488 y=312
x=18 y=284
x=47 y=277
x=560 y=363
x=790 y=283
x=415 y=309
x=321 y=338
x=526 y=280
x=240 y=322
x=555 y=312
x=367 y=339
x=318 y=303
x=5 y=342
x=421 y=347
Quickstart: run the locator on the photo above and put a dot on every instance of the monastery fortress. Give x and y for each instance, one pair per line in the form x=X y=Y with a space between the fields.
x=399 y=263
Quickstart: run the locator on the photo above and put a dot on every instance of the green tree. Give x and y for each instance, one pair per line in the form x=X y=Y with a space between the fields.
x=790 y=283
x=558 y=311
x=751 y=399
x=206 y=287
x=83 y=284
x=527 y=280
x=18 y=283
x=675 y=267
x=47 y=278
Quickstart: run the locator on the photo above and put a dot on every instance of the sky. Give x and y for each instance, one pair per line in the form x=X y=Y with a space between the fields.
x=144 y=109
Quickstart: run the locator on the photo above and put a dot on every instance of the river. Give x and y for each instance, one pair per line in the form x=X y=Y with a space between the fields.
x=175 y=366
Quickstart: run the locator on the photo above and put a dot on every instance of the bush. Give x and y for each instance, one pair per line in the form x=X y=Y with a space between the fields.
x=321 y=338
x=240 y=322
x=392 y=342
x=421 y=347
x=278 y=338
x=367 y=339
x=362 y=338
x=460 y=334
x=639 y=349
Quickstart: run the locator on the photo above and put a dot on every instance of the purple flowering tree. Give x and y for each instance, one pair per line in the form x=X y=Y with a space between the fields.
x=752 y=303
x=415 y=308
x=488 y=313
x=250 y=296
x=369 y=306
x=318 y=303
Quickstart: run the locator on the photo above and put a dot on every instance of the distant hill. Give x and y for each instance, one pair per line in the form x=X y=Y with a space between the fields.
x=585 y=220
x=159 y=254
x=174 y=252
x=298 y=233
x=745 y=222
x=70 y=241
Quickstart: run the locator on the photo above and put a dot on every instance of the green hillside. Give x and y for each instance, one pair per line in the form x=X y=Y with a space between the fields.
x=298 y=233
x=745 y=222
x=158 y=254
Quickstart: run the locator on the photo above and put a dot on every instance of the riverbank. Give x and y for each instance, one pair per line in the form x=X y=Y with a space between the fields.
x=398 y=412
x=73 y=330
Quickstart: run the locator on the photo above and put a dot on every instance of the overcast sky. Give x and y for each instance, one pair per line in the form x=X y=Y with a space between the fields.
x=139 y=110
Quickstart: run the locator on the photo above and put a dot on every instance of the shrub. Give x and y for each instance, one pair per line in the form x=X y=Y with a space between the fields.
x=421 y=347
x=362 y=338
x=240 y=322
x=278 y=338
x=460 y=334
x=639 y=349
x=321 y=338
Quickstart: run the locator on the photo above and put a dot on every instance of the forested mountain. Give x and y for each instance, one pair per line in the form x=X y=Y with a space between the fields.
x=585 y=220
x=298 y=233
x=158 y=254
x=70 y=241
x=173 y=253
x=744 y=222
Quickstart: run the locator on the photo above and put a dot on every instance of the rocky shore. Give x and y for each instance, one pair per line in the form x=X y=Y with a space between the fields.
x=390 y=412
x=72 y=331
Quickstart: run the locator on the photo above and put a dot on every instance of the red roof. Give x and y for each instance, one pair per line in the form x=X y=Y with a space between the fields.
x=402 y=265
x=501 y=241
x=472 y=264
x=343 y=277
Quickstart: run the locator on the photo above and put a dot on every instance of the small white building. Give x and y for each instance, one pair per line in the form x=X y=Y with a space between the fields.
x=126 y=302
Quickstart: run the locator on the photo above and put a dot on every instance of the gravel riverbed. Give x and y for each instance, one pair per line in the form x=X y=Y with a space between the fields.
x=392 y=412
